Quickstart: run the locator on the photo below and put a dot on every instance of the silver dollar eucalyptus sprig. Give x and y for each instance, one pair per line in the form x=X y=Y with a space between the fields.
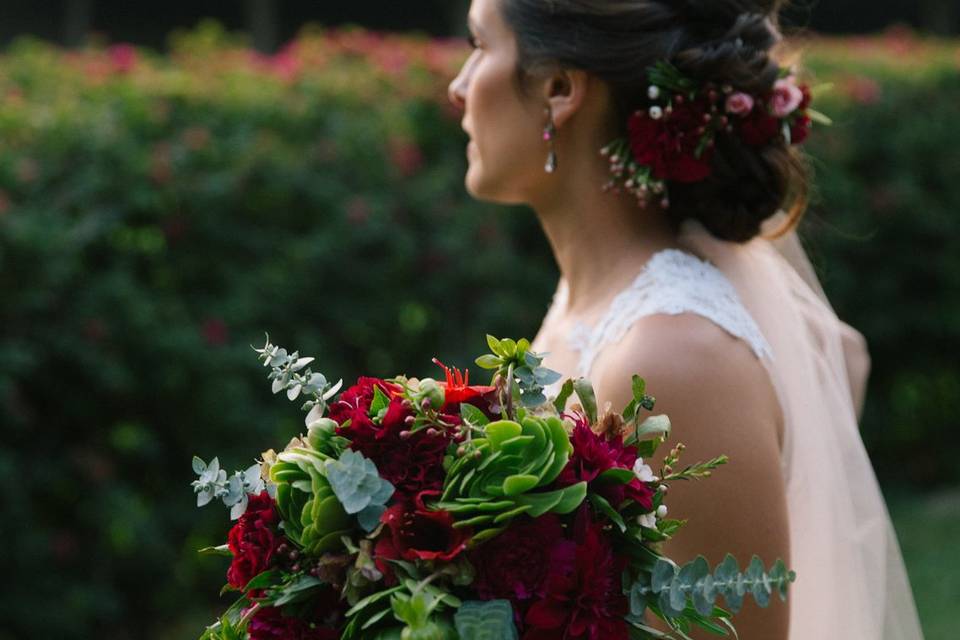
x=213 y=483
x=289 y=374
x=673 y=588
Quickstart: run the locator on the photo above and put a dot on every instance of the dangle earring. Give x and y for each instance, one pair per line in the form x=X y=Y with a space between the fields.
x=549 y=133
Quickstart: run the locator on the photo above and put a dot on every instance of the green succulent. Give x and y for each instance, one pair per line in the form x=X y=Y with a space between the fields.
x=313 y=516
x=497 y=476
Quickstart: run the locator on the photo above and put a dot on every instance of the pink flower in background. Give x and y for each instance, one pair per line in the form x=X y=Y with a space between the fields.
x=862 y=89
x=215 y=332
x=787 y=96
x=196 y=137
x=123 y=57
x=27 y=170
x=739 y=103
x=286 y=64
x=358 y=211
x=161 y=164
x=406 y=155
x=95 y=330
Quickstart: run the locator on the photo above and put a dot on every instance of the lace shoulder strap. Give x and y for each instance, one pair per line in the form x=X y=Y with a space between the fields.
x=672 y=282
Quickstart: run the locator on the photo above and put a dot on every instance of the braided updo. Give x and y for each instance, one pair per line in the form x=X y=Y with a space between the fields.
x=719 y=41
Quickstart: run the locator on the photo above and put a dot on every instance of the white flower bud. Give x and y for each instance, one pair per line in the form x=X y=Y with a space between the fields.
x=653 y=92
x=647 y=520
x=662 y=511
x=656 y=112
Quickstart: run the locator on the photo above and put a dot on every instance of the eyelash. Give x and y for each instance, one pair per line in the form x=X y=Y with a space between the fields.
x=472 y=42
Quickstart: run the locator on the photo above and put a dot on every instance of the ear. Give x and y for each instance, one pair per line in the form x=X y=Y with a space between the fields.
x=565 y=92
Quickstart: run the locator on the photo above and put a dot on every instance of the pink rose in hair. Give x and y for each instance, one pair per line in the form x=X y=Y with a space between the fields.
x=787 y=96
x=739 y=103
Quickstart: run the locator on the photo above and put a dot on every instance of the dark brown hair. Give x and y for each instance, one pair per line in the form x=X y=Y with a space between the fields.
x=616 y=40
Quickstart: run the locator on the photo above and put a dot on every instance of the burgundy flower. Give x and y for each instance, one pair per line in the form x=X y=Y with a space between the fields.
x=582 y=595
x=354 y=403
x=759 y=128
x=253 y=540
x=667 y=144
x=269 y=623
x=412 y=463
x=514 y=564
x=592 y=455
x=799 y=130
x=415 y=532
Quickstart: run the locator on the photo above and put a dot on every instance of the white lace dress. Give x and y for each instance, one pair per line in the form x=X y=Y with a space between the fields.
x=672 y=282
x=851 y=584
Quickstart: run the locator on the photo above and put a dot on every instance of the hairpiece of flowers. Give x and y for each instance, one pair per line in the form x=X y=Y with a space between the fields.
x=673 y=139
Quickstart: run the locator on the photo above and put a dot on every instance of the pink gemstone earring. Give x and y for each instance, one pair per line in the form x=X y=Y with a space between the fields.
x=549 y=133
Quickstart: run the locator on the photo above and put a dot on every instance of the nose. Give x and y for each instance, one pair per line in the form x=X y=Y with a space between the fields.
x=457 y=90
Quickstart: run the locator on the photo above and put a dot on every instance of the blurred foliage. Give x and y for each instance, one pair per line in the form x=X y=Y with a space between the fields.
x=158 y=214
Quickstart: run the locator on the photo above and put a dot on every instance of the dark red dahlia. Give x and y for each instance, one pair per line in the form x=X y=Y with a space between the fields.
x=592 y=455
x=269 y=623
x=582 y=596
x=415 y=532
x=253 y=540
x=667 y=144
x=514 y=564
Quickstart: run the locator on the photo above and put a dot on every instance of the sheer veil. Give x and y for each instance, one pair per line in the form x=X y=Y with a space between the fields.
x=851 y=581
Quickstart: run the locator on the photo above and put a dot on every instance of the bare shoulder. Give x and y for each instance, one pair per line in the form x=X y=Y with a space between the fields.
x=720 y=401
x=696 y=370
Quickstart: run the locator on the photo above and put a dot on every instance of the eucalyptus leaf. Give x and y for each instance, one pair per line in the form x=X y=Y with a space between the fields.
x=486 y=620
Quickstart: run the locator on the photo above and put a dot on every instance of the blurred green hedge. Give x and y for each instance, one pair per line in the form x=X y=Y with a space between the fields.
x=158 y=214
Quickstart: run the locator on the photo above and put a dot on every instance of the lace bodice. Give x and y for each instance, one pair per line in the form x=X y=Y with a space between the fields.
x=672 y=282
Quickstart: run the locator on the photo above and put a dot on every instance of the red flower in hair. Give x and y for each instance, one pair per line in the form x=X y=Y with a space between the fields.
x=799 y=130
x=667 y=144
x=759 y=128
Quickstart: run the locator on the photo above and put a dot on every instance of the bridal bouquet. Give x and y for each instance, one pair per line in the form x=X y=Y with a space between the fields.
x=419 y=509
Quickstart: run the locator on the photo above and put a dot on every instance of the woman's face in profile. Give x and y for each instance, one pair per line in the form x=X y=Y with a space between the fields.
x=507 y=152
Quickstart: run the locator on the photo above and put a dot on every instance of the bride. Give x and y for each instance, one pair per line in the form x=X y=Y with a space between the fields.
x=679 y=280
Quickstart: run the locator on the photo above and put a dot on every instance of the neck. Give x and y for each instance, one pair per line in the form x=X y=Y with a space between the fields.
x=600 y=240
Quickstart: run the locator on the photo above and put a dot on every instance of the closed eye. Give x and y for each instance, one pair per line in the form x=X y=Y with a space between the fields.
x=472 y=41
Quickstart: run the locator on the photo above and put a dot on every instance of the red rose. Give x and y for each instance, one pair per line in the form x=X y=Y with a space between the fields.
x=667 y=144
x=799 y=130
x=514 y=564
x=418 y=533
x=807 y=97
x=760 y=127
x=582 y=596
x=253 y=540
